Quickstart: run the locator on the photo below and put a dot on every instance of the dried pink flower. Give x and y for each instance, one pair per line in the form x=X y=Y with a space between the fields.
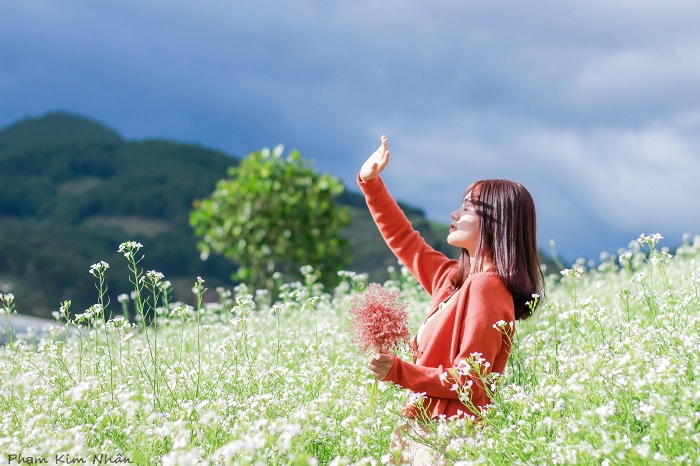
x=380 y=320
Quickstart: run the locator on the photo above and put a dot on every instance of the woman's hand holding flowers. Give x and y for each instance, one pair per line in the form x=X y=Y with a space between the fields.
x=380 y=365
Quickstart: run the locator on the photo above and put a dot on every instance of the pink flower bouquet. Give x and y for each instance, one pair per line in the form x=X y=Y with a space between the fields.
x=380 y=320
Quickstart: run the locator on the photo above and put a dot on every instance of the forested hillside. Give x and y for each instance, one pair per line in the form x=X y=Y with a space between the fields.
x=72 y=190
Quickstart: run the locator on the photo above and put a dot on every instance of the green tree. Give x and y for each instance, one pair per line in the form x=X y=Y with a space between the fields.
x=274 y=213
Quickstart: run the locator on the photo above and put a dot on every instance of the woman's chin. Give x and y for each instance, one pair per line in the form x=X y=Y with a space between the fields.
x=451 y=241
x=458 y=240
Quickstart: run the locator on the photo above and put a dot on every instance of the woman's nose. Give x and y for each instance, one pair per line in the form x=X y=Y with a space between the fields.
x=455 y=215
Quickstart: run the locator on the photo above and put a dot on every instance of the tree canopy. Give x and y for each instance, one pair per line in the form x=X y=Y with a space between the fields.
x=274 y=214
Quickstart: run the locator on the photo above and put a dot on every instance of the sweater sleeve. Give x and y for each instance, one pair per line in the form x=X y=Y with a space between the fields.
x=429 y=266
x=488 y=302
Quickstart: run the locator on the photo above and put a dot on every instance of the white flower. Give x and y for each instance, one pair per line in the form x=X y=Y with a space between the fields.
x=99 y=268
x=572 y=274
x=89 y=314
x=129 y=248
x=650 y=240
x=152 y=276
x=62 y=311
x=310 y=303
x=415 y=398
x=198 y=288
x=276 y=310
x=182 y=311
x=643 y=450
x=606 y=410
x=119 y=322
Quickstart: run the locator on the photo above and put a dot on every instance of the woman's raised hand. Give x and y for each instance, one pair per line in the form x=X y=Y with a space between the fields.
x=376 y=162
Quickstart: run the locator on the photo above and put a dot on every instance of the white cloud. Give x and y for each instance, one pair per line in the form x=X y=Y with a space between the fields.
x=588 y=183
x=672 y=69
x=636 y=178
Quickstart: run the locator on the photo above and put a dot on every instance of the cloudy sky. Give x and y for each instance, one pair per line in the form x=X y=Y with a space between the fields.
x=593 y=105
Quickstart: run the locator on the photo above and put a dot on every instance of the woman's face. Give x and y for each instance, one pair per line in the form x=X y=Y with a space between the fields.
x=466 y=226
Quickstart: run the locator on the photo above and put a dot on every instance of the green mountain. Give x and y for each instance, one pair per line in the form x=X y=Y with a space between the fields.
x=72 y=190
x=55 y=129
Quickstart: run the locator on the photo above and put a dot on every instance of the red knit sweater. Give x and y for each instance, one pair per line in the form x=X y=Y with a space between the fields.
x=467 y=327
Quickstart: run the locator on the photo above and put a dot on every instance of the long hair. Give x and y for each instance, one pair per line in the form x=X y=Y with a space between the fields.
x=508 y=237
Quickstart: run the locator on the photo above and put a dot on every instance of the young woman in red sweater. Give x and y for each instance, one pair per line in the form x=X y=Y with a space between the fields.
x=466 y=335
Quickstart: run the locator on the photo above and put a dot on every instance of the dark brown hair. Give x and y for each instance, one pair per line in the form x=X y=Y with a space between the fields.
x=508 y=237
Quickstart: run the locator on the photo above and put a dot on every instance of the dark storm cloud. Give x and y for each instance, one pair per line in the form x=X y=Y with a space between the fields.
x=592 y=105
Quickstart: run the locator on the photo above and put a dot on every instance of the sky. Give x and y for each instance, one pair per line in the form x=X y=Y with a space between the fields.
x=593 y=105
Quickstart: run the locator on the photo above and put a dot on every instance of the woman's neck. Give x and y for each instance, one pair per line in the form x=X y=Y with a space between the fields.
x=484 y=265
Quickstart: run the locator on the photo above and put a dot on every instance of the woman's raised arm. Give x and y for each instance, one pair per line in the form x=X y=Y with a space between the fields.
x=428 y=266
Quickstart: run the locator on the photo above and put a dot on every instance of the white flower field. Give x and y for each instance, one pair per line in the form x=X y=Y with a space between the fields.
x=607 y=371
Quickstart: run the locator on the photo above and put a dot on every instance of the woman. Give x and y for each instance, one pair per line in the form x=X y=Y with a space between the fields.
x=466 y=336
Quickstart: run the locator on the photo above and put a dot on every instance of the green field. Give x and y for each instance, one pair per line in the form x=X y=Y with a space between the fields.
x=607 y=371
